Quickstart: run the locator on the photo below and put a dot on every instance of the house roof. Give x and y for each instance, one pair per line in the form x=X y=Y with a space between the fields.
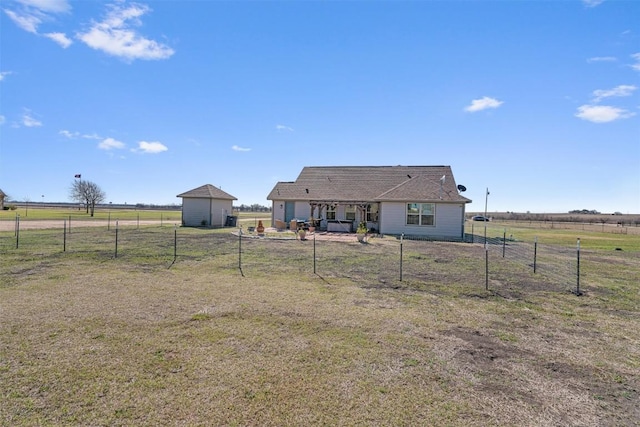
x=370 y=183
x=207 y=191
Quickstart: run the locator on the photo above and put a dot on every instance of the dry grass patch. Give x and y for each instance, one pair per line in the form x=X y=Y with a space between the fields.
x=88 y=339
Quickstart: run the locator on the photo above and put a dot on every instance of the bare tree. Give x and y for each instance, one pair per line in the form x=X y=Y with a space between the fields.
x=88 y=193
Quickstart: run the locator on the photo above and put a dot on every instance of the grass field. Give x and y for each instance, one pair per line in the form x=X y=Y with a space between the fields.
x=35 y=213
x=87 y=338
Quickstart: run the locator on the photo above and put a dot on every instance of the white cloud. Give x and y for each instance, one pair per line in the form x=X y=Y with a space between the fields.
x=2 y=120
x=72 y=135
x=69 y=134
x=151 y=147
x=59 y=38
x=91 y=136
x=483 y=104
x=115 y=36
x=3 y=74
x=237 y=148
x=602 y=113
x=35 y=12
x=27 y=21
x=29 y=121
x=284 y=128
x=111 y=144
x=53 y=6
x=592 y=3
x=636 y=65
x=602 y=59
x=622 y=90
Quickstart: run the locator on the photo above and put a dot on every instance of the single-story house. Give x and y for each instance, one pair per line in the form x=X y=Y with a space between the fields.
x=410 y=200
x=2 y=196
x=206 y=206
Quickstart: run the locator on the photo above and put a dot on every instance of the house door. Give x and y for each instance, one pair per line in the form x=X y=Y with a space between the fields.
x=289 y=211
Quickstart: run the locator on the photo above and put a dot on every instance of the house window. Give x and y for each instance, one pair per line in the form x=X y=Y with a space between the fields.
x=350 y=213
x=331 y=212
x=421 y=213
x=372 y=213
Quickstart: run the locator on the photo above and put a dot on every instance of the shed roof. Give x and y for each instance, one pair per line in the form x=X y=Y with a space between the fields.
x=207 y=191
x=371 y=183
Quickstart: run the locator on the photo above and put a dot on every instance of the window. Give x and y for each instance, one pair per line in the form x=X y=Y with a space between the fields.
x=350 y=213
x=372 y=213
x=420 y=214
x=331 y=212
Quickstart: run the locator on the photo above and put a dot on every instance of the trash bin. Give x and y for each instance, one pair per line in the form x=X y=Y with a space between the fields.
x=231 y=221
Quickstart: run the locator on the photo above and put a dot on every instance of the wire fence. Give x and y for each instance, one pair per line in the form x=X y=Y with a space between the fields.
x=554 y=263
x=503 y=264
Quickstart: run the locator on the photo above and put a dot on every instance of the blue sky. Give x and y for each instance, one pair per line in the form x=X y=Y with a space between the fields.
x=539 y=101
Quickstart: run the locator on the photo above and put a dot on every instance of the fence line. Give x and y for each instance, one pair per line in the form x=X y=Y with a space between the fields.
x=417 y=262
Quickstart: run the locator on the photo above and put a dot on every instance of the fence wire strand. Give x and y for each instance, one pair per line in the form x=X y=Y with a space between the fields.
x=391 y=261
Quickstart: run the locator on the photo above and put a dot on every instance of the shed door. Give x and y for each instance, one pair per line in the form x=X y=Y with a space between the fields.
x=289 y=211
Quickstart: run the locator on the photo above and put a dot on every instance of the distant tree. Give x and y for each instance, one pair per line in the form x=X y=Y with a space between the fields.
x=87 y=193
x=585 y=211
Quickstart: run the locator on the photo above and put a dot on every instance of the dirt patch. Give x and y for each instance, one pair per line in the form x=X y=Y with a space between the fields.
x=567 y=390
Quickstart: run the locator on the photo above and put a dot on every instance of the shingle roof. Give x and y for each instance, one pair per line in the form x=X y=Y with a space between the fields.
x=370 y=183
x=207 y=191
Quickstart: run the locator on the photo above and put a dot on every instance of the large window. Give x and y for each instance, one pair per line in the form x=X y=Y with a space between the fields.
x=350 y=213
x=331 y=212
x=421 y=213
x=372 y=213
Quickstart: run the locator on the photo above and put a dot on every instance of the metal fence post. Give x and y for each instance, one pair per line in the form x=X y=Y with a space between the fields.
x=175 y=242
x=486 y=267
x=17 y=231
x=64 y=240
x=240 y=249
x=116 y=253
x=314 y=253
x=535 y=254
x=401 y=243
x=504 y=242
x=578 y=268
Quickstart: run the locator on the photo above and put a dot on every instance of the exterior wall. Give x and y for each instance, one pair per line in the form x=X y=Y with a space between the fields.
x=220 y=209
x=449 y=221
x=213 y=212
x=277 y=211
x=194 y=211
x=302 y=210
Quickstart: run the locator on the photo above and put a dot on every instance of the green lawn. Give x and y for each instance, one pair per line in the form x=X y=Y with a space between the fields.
x=38 y=213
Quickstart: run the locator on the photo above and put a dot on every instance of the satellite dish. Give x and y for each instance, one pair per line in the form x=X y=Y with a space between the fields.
x=462 y=188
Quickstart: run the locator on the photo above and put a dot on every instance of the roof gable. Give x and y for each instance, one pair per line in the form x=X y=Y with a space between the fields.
x=370 y=183
x=207 y=191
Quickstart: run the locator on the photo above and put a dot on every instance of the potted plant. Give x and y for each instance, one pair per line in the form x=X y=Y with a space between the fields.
x=302 y=234
x=362 y=232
